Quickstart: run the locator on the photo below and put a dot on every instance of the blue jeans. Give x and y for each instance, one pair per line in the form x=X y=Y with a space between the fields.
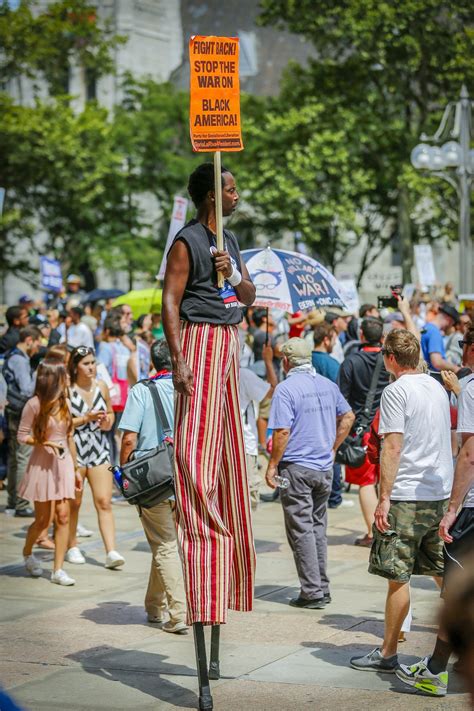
x=335 y=497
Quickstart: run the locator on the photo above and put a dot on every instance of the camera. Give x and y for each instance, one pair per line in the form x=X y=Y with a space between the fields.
x=387 y=302
x=390 y=302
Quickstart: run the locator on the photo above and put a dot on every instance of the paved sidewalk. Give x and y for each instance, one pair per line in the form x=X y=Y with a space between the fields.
x=89 y=648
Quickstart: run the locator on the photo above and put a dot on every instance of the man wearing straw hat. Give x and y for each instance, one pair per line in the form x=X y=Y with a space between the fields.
x=200 y=322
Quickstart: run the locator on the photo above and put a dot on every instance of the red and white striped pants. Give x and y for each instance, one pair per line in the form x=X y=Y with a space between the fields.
x=212 y=494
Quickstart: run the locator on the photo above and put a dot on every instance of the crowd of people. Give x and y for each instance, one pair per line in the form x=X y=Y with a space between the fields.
x=328 y=400
x=78 y=369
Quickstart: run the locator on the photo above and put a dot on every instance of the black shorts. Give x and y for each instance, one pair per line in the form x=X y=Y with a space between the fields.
x=462 y=532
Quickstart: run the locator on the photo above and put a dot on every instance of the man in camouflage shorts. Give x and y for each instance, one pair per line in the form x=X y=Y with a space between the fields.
x=412 y=545
x=416 y=475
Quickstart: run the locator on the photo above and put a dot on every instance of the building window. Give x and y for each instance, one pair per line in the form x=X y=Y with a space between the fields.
x=248 y=54
x=91 y=85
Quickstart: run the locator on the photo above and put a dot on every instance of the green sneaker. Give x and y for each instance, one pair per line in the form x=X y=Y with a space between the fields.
x=419 y=676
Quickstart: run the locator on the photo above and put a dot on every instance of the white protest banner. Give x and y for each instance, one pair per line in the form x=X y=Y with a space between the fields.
x=178 y=219
x=349 y=293
x=408 y=291
x=424 y=264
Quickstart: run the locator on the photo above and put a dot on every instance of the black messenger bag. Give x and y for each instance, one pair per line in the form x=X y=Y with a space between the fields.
x=149 y=479
x=352 y=452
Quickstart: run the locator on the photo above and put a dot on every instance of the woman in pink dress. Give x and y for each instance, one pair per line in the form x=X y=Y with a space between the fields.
x=51 y=475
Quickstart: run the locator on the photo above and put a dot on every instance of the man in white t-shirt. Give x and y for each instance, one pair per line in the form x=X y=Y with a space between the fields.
x=457 y=530
x=253 y=390
x=416 y=475
x=78 y=333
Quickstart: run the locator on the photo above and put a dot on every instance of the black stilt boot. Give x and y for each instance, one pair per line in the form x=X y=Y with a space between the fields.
x=214 y=671
x=205 y=698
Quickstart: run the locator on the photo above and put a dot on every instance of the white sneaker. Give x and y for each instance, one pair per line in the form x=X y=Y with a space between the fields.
x=114 y=560
x=33 y=566
x=60 y=577
x=348 y=503
x=75 y=556
x=82 y=532
x=175 y=628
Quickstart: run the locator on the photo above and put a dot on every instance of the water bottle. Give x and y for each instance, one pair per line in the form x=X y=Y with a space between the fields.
x=282 y=481
x=117 y=473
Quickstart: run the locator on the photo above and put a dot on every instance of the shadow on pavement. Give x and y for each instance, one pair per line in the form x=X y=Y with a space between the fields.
x=139 y=670
x=267 y=546
x=142 y=547
x=423 y=583
x=260 y=546
x=349 y=622
x=276 y=593
x=116 y=612
x=344 y=539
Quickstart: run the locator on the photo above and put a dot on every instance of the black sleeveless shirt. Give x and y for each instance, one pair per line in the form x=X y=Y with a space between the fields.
x=203 y=301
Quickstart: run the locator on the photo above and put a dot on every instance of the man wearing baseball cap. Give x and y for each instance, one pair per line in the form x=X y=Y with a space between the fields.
x=27 y=301
x=432 y=343
x=310 y=419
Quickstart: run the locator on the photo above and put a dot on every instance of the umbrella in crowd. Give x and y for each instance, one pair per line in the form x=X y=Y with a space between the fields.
x=290 y=281
x=101 y=295
x=141 y=301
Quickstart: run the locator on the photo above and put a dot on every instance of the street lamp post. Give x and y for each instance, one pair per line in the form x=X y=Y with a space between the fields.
x=459 y=156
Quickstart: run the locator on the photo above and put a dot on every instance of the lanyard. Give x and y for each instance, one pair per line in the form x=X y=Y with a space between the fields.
x=162 y=374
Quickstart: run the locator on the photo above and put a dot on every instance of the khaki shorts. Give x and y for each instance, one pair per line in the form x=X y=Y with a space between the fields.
x=412 y=545
x=264 y=408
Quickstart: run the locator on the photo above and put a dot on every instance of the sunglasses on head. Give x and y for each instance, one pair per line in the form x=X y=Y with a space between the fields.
x=83 y=351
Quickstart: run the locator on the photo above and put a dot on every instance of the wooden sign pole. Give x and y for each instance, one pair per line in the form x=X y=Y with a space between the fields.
x=218 y=206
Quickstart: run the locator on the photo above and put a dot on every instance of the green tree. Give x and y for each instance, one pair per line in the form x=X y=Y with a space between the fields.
x=392 y=66
x=151 y=129
x=94 y=191
x=59 y=171
x=299 y=179
x=89 y=188
x=41 y=45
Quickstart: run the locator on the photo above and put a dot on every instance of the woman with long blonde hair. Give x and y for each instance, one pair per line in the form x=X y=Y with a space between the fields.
x=57 y=354
x=51 y=475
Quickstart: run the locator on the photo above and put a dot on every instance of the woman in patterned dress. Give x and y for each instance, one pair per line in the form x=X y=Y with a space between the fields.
x=92 y=417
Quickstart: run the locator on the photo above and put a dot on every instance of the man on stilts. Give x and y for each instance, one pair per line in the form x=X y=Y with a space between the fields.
x=212 y=495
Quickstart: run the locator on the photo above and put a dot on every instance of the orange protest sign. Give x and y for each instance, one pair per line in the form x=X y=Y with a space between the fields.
x=214 y=114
